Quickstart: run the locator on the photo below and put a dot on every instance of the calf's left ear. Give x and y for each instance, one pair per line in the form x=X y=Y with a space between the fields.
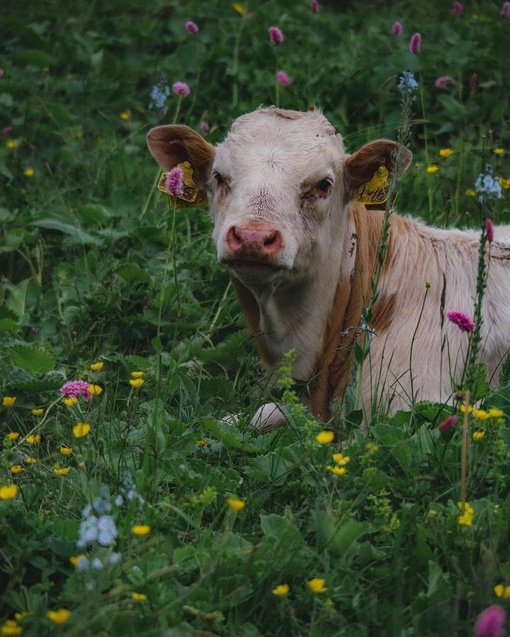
x=383 y=156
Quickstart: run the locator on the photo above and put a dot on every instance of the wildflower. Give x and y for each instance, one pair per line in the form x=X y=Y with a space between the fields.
x=191 y=27
x=7 y=131
x=489 y=230
x=202 y=442
x=397 y=28
x=495 y=413
x=478 y=435
x=458 y=8
x=337 y=471
x=502 y=591
x=466 y=518
x=37 y=412
x=13 y=435
x=415 y=43
x=30 y=460
x=407 y=82
x=159 y=93
x=11 y=144
x=95 y=390
x=505 y=10
x=275 y=35
x=235 y=504
x=10 y=627
x=8 y=491
x=325 y=436
x=34 y=439
x=100 y=529
x=181 y=89
x=71 y=401
x=136 y=382
x=480 y=414
x=140 y=529
x=137 y=374
x=65 y=451
x=443 y=81
x=79 y=561
x=16 y=468
x=432 y=169
x=317 y=585
x=205 y=127
x=60 y=616
x=282 y=78
x=461 y=320
x=491 y=621
x=445 y=152
x=499 y=151
x=471 y=192
x=448 y=423
x=8 y=401
x=139 y=597
x=61 y=471
x=340 y=459
x=281 y=590
x=504 y=183
x=473 y=81
x=174 y=181
x=486 y=185
x=75 y=388
x=371 y=447
x=315 y=6
x=239 y=9
x=29 y=172
x=95 y=367
x=81 y=429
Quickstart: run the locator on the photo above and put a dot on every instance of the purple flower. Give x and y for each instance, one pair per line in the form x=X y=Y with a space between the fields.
x=275 y=35
x=489 y=230
x=180 y=88
x=75 y=388
x=491 y=622
x=7 y=131
x=205 y=127
x=505 y=10
x=474 y=78
x=397 y=28
x=415 y=43
x=282 y=78
x=174 y=181
x=448 y=423
x=458 y=8
x=443 y=81
x=461 y=320
x=1 y=72
x=315 y=6
x=191 y=27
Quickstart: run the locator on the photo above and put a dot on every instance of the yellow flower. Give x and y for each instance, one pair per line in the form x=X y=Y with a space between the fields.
x=8 y=492
x=471 y=192
x=466 y=518
x=478 y=435
x=499 y=151
x=239 y=9
x=504 y=183
x=480 y=414
x=29 y=172
x=202 y=442
x=445 y=152
x=61 y=471
x=12 y=143
x=60 y=616
x=81 y=429
x=30 y=460
x=71 y=401
x=8 y=401
x=136 y=382
x=65 y=451
x=125 y=115
x=317 y=585
x=340 y=459
x=34 y=439
x=433 y=168
x=495 y=413
x=465 y=409
x=13 y=435
x=76 y=559
x=325 y=436
x=338 y=471
x=37 y=412
x=16 y=468
x=502 y=591
x=281 y=590
x=371 y=447
x=95 y=390
x=139 y=597
x=140 y=529
x=95 y=367
x=10 y=627
x=235 y=504
x=137 y=374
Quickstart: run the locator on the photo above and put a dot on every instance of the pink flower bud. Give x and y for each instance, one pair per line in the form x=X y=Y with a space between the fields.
x=458 y=8
x=448 y=423
x=191 y=27
x=174 y=181
x=204 y=127
x=473 y=80
x=397 y=28
x=315 y=6
x=505 y=10
x=282 y=78
x=275 y=35
x=461 y=320
x=180 y=88
x=489 y=230
x=7 y=131
x=443 y=81
x=491 y=622
x=415 y=44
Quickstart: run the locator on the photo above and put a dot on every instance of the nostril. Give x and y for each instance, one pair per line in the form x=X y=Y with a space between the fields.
x=269 y=240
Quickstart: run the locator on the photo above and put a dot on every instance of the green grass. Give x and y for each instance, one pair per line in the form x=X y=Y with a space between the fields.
x=95 y=266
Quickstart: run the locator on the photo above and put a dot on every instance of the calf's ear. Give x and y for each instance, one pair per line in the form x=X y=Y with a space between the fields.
x=173 y=145
x=372 y=158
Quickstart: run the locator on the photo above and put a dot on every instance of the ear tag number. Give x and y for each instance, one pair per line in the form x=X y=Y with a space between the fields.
x=192 y=195
x=375 y=191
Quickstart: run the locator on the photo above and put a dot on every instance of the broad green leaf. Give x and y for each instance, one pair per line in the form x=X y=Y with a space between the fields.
x=32 y=360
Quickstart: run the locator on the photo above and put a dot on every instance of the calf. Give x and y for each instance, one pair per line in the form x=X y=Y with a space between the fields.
x=301 y=251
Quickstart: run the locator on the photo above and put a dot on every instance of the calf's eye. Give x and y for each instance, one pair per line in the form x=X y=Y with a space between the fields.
x=321 y=189
x=219 y=178
x=323 y=186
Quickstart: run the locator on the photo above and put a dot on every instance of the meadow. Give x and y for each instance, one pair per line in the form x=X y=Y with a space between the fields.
x=128 y=503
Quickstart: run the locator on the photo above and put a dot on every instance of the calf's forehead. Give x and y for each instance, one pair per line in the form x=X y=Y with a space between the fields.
x=286 y=142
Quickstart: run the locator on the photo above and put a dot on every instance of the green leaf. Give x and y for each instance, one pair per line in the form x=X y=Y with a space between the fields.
x=32 y=360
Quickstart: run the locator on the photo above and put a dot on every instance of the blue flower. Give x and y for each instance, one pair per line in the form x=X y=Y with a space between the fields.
x=407 y=82
x=159 y=93
x=486 y=185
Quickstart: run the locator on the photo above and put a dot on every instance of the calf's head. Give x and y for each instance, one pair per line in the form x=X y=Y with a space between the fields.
x=280 y=182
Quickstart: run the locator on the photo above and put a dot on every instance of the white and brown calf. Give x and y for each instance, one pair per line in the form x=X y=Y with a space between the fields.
x=301 y=254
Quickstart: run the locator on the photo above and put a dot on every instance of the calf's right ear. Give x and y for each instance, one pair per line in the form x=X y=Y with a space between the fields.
x=173 y=145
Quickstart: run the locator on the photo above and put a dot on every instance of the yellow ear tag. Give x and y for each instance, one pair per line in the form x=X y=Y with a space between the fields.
x=192 y=196
x=375 y=191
